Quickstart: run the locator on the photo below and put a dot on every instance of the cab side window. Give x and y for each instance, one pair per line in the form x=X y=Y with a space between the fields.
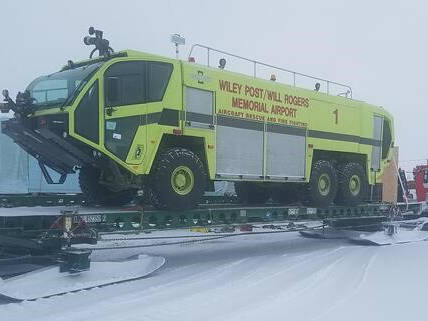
x=158 y=78
x=86 y=115
x=136 y=82
x=128 y=78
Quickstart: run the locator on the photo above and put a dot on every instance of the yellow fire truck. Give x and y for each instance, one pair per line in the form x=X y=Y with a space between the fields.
x=130 y=120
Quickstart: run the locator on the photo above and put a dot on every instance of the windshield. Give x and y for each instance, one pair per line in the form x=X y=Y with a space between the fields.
x=62 y=87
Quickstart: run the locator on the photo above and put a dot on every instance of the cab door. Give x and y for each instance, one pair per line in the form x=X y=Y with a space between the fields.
x=134 y=93
x=124 y=108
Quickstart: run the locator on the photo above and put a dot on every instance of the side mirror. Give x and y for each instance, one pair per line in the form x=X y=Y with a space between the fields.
x=112 y=90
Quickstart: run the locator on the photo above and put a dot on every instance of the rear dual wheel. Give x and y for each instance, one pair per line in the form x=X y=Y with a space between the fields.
x=346 y=186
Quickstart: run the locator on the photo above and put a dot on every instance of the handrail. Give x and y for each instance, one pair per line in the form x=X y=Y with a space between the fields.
x=255 y=63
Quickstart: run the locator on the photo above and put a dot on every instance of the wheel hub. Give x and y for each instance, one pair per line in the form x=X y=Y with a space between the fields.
x=354 y=185
x=182 y=180
x=324 y=184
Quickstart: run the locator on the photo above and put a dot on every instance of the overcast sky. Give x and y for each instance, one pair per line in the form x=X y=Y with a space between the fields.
x=378 y=47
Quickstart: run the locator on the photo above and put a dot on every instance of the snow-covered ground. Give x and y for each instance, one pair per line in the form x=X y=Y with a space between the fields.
x=264 y=277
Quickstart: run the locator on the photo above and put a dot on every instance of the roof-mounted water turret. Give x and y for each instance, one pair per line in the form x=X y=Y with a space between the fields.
x=102 y=45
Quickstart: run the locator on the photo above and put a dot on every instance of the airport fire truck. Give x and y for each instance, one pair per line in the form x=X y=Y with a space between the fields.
x=130 y=121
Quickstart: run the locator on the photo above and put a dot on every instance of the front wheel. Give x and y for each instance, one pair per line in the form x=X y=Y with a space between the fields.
x=178 y=180
x=322 y=187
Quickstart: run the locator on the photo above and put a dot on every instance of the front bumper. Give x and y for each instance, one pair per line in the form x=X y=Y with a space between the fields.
x=46 y=146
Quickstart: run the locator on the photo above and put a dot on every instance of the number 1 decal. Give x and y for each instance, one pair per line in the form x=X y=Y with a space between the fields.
x=336 y=114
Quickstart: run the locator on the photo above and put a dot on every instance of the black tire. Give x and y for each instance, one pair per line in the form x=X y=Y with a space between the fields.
x=97 y=194
x=251 y=193
x=182 y=164
x=323 y=184
x=353 y=184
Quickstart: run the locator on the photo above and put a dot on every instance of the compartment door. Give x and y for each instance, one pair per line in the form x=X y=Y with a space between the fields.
x=239 y=148
x=285 y=152
x=199 y=108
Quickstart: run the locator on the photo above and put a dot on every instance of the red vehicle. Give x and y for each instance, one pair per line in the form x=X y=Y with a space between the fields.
x=420 y=174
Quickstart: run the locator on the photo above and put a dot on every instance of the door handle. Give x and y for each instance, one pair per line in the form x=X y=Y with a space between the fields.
x=110 y=110
x=199 y=125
